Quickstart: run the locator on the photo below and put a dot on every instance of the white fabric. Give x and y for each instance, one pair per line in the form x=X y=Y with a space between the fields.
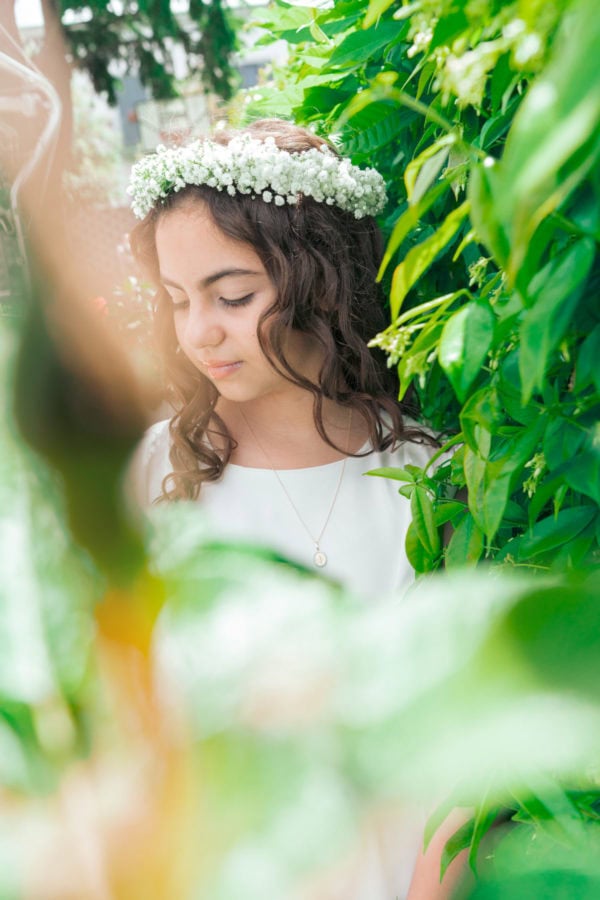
x=364 y=543
x=364 y=539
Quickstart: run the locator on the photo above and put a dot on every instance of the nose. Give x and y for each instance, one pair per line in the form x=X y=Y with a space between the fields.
x=203 y=327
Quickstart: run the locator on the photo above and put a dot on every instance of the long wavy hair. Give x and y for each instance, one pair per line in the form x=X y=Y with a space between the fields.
x=323 y=262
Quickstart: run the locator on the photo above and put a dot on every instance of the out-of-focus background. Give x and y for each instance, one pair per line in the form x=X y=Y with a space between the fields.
x=184 y=719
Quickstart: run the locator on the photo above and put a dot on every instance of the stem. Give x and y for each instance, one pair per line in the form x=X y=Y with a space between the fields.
x=457 y=439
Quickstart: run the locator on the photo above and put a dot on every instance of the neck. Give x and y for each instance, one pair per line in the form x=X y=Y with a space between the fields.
x=286 y=436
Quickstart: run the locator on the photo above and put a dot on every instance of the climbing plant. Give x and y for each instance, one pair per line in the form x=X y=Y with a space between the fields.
x=484 y=119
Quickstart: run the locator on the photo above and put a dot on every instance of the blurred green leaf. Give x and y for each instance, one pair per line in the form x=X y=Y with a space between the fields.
x=360 y=46
x=459 y=841
x=559 y=115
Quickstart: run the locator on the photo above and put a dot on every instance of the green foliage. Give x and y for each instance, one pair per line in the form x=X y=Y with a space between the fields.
x=288 y=696
x=484 y=119
x=140 y=35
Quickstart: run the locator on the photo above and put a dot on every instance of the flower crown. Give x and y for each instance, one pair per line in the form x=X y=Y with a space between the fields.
x=258 y=167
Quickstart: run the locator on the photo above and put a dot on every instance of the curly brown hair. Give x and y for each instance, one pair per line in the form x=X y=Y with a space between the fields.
x=323 y=262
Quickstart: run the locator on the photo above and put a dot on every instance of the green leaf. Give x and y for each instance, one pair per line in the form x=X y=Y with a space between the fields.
x=322 y=99
x=495 y=499
x=481 y=413
x=419 y=258
x=449 y=26
x=484 y=819
x=551 y=532
x=488 y=491
x=555 y=629
x=422 y=171
x=546 y=491
x=339 y=16
x=284 y=17
x=484 y=212
x=558 y=116
x=373 y=126
x=427 y=174
x=447 y=510
x=562 y=441
x=459 y=841
x=554 y=294
x=465 y=343
x=397 y=474
x=437 y=818
x=423 y=517
x=518 y=447
x=584 y=474
x=375 y=10
x=588 y=362
x=563 y=107
x=572 y=554
x=407 y=222
x=416 y=554
x=466 y=544
x=361 y=45
x=274 y=102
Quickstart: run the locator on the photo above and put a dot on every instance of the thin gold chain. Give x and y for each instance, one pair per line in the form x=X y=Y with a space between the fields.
x=316 y=541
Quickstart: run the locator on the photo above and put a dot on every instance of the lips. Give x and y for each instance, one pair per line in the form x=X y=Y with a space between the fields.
x=218 y=369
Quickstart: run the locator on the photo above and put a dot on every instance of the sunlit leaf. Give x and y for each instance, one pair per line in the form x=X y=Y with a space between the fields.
x=419 y=258
x=421 y=172
x=407 y=221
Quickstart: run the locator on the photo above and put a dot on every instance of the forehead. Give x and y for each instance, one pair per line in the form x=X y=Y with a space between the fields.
x=189 y=242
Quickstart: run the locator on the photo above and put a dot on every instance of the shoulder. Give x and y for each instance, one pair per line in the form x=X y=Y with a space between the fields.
x=149 y=465
x=416 y=448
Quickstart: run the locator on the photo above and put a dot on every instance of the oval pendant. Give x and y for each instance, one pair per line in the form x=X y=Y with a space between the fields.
x=320 y=559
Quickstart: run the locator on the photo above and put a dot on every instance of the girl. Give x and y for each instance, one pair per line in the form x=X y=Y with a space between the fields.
x=265 y=251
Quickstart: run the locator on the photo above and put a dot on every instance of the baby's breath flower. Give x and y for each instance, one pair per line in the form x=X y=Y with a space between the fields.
x=259 y=168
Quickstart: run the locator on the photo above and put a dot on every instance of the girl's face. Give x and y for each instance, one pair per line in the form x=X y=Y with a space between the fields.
x=219 y=288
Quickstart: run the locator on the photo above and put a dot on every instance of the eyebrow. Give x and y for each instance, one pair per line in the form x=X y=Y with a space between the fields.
x=210 y=279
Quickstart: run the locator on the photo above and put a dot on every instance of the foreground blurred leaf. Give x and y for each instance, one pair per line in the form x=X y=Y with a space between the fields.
x=558 y=118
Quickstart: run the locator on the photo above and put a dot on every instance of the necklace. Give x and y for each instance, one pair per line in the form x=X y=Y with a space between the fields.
x=319 y=556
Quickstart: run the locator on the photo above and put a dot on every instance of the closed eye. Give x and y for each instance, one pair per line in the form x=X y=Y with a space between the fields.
x=239 y=301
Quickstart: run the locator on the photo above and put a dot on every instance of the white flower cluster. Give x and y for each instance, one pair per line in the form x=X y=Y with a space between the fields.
x=258 y=167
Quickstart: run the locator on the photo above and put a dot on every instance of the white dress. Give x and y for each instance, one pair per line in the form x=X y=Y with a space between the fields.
x=363 y=540
x=364 y=543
